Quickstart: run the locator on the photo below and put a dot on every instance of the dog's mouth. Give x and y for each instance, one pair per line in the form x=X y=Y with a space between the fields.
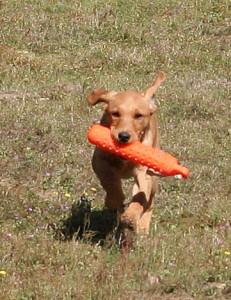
x=141 y=136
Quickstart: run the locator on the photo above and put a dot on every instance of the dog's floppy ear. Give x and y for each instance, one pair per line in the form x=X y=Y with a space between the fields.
x=149 y=92
x=100 y=95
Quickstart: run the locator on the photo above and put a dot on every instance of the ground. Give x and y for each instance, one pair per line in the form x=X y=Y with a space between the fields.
x=53 y=53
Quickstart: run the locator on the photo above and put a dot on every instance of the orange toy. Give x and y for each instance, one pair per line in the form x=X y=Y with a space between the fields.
x=153 y=158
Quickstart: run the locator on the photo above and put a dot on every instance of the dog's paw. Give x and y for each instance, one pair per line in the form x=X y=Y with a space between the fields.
x=126 y=222
x=129 y=217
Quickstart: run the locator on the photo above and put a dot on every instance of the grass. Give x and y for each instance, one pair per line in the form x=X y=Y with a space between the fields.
x=52 y=54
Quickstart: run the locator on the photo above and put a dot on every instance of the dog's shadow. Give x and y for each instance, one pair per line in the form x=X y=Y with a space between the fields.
x=94 y=226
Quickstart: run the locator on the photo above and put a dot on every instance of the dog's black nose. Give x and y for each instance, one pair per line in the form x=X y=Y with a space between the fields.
x=124 y=137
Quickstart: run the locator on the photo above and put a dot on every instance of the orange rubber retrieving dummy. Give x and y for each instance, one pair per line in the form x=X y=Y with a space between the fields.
x=153 y=158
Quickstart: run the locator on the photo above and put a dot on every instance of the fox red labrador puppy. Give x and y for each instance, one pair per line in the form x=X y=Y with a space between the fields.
x=131 y=116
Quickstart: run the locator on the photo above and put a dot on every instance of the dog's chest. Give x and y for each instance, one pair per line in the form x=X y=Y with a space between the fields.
x=124 y=168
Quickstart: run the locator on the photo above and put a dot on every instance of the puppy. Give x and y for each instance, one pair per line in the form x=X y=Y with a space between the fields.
x=131 y=116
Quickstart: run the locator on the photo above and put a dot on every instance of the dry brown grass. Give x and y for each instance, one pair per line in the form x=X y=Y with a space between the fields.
x=52 y=54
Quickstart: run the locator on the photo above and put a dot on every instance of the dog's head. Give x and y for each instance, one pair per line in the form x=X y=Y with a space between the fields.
x=128 y=113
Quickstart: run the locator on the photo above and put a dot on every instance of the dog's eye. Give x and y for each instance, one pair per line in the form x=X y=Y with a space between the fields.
x=138 y=116
x=115 y=114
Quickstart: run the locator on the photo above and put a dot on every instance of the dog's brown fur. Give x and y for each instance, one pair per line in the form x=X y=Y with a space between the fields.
x=131 y=116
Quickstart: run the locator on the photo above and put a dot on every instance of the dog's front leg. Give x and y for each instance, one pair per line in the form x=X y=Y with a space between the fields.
x=145 y=218
x=109 y=180
x=139 y=212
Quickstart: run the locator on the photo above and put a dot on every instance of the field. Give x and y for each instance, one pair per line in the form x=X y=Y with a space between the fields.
x=52 y=54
